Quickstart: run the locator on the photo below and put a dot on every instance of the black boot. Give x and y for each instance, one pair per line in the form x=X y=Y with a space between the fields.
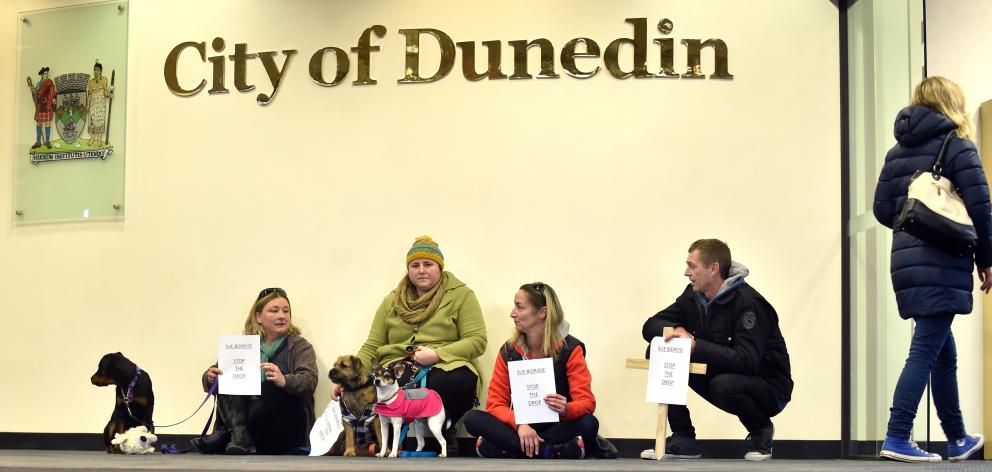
x=240 y=444
x=213 y=443
x=231 y=409
x=451 y=438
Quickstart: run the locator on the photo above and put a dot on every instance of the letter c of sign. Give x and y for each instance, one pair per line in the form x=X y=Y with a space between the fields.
x=171 y=79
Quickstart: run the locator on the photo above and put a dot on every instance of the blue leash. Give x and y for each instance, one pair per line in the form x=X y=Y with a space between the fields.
x=420 y=378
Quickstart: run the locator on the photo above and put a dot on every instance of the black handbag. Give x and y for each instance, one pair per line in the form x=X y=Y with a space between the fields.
x=935 y=212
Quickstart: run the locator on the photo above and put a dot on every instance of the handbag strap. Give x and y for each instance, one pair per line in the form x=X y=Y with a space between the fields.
x=938 y=164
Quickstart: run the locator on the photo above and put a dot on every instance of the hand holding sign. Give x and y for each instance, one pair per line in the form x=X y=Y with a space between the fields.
x=530 y=382
x=668 y=371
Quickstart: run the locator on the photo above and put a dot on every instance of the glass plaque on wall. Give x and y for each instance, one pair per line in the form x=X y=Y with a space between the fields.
x=69 y=117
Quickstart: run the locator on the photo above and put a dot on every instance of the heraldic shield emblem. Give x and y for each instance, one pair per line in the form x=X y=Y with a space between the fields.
x=70 y=105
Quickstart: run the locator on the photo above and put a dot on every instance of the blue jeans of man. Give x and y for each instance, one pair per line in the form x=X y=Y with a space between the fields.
x=932 y=354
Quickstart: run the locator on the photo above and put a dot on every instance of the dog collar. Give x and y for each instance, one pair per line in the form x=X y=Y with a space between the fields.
x=368 y=382
x=129 y=397
x=397 y=392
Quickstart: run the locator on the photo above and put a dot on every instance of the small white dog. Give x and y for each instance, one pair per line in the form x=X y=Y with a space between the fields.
x=136 y=440
x=396 y=406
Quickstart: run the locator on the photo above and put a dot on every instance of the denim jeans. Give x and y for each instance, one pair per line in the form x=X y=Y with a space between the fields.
x=931 y=354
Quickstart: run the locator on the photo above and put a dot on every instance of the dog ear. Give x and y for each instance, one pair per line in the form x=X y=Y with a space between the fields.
x=398 y=369
x=375 y=364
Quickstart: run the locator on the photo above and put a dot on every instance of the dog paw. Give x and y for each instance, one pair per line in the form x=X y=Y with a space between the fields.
x=442 y=455
x=392 y=455
x=350 y=453
x=382 y=453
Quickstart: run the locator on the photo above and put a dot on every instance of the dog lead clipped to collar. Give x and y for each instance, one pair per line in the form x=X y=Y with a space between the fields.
x=129 y=397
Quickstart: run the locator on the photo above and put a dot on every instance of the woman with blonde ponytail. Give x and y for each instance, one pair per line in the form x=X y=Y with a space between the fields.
x=932 y=286
x=539 y=331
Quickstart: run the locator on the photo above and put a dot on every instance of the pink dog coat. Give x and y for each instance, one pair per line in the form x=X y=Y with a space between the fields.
x=412 y=404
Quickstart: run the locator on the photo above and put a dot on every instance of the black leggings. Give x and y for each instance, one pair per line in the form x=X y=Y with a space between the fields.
x=456 y=388
x=503 y=436
x=751 y=399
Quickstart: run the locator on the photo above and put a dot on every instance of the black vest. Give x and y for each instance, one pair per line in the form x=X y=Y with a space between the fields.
x=509 y=354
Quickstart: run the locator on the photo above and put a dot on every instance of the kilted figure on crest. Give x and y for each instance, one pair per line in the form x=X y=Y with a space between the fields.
x=44 y=106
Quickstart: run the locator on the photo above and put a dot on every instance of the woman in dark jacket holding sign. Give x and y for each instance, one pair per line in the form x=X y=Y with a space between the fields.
x=539 y=331
x=931 y=284
x=279 y=420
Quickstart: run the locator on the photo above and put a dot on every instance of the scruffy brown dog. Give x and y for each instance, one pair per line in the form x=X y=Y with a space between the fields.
x=362 y=434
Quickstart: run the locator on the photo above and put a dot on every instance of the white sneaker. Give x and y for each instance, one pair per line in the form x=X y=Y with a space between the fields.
x=757 y=456
x=648 y=454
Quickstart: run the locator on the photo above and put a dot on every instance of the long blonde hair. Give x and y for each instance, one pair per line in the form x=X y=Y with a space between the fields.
x=266 y=296
x=945 y=97
x=541 y=295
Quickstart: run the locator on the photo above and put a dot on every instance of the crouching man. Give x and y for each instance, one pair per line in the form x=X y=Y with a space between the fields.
x=735 y=332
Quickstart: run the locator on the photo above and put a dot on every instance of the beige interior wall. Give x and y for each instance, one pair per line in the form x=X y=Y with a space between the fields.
x=593 y=186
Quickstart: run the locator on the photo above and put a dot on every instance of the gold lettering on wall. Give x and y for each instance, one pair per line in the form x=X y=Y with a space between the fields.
x=171 y=71
x=495 y=60
x=317 y=66
x=568 y=55
x=640 y=44
x=412 y=69
x=364 y=50
x=520 y=48
x=581 y=48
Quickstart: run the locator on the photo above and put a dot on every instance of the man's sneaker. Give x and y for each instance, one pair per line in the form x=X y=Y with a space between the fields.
x=905 y=450
x=487 y=450
x=681 y=446
x=759 y=447
x=962 y=448
x=574 y=449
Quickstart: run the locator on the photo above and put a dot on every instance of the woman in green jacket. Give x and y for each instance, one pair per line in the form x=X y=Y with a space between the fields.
x=439 y=318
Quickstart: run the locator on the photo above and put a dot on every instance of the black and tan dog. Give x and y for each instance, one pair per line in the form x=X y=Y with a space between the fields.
x=361 y=424
x=133 y=392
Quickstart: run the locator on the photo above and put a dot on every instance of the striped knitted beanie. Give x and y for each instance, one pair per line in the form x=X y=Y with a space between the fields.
x=425 y=248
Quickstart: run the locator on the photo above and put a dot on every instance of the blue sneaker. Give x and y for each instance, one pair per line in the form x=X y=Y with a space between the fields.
x=963 y=448
x=905 y=450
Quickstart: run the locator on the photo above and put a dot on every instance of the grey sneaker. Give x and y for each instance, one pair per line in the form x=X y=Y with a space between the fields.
x=759 y=447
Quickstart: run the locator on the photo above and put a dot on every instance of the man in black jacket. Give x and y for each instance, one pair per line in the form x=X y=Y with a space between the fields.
x=734 y=331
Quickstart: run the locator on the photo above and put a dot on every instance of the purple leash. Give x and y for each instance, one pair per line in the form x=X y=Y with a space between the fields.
x=171 y=448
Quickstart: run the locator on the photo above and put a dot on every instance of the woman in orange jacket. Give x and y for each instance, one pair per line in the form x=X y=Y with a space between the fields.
x=540 y=331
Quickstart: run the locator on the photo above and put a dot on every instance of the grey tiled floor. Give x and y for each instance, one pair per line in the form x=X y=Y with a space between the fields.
x=93 y=461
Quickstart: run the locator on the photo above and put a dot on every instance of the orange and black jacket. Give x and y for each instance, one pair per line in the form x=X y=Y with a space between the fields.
x=572 y=380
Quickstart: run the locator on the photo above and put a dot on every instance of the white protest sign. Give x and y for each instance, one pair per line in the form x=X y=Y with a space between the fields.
x=530 y=381
x=326 y=430
x=668 y=371
x=239 y=358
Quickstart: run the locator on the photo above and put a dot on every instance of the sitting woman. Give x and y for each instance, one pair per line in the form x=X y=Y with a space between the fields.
x=539 y=331
x=433 y=319
x=279 y=420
